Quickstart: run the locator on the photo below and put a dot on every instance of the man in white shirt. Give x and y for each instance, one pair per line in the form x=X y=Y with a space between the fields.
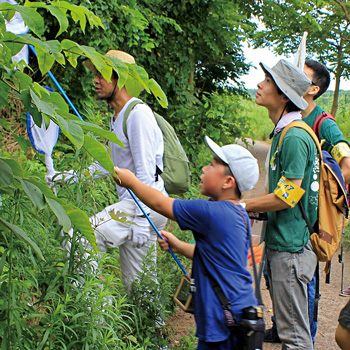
x=143 y=153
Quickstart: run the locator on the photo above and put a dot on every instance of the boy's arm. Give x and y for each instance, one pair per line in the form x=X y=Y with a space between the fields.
x=148 y=195
x=268 y=202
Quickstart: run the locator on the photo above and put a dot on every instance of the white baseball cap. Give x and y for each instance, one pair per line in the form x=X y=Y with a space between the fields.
x=243 y=165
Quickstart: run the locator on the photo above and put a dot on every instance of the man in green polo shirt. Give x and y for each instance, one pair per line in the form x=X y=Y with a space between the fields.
x=335 y=143
x=293 y=177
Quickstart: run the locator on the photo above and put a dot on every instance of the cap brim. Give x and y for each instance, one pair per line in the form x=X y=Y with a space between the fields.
x=216 y=149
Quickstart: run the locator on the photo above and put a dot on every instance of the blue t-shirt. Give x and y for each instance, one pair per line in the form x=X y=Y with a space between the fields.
x=221 y=237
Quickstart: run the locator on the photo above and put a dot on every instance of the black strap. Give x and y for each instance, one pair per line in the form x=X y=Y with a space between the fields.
x=317 y=292
x=218 y=291
x=308 y=223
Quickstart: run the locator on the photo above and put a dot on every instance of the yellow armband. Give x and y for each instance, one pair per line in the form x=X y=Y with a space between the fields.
x=288 y=191
x=340 y=150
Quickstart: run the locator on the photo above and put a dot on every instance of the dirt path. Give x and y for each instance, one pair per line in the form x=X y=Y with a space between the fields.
x=329 y=306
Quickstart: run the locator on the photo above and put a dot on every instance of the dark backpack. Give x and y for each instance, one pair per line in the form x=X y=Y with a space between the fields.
x=177 y=171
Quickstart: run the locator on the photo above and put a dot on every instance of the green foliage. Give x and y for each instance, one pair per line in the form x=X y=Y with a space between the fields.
x=327 y=24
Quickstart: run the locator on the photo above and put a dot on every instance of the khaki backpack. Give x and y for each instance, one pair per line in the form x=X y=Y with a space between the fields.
x=333 y=208
x=177 y=170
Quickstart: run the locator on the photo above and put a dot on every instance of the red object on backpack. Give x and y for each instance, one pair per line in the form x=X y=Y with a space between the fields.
x=317 y=125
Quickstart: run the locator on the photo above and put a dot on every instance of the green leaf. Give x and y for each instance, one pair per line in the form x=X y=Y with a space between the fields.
x=13 y=42
x=158 y=93
x=55 y=49
x=43 y=106
x=4 y=92
x=99 y=61
x=121 y=68
x=71 y=129
x=98 y=152
x=22 y=236
x=45 y=60
x=3 y=261
x=6 y=174
x=33 y=192
x=24 y=81
x=32 y=19
x=61 y=18
x=77 y=13
x=72 y=51
x=111 y=136
x=81 y=221
x=15 y=167
x=60 y=213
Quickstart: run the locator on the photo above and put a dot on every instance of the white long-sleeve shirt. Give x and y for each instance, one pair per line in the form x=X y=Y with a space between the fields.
x=144 y=148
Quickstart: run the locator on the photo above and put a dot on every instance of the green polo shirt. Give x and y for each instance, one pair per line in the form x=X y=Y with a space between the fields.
x=329 y=130
x=296 y=159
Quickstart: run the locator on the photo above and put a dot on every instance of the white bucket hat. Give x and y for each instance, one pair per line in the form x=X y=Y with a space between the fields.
x=291 y=80
x=243 y=165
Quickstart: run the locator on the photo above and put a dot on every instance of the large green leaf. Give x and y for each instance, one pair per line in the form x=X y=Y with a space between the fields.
x=81 y=221
x=72 y=130
x=60 y=213
x=72 y=51
x=45 y=60
x=22 y=236
x=55 y=50
x=98 y=152
x=23 y=81
x=32 y=19
x=77 y=13
x=15 y=167
x=33 y=192
x=6 y=174
x=158 y=93
x=61 y=18
x=121 y=68
x=111 y=136
x=42 y=105
x=98 y=61
x=13 y=42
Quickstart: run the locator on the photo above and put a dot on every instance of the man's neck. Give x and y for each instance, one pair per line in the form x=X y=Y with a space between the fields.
x=118 y=102
x=306 y=112
x=276 y=115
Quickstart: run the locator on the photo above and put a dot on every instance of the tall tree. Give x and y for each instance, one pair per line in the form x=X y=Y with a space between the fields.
x=192 y=47
x=327 y=23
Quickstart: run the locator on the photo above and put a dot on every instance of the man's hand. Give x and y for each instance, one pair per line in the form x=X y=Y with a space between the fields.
x=124 y=178
x=139 y=232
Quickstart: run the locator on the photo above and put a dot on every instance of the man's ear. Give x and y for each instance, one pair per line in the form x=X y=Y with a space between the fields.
x=313 y=90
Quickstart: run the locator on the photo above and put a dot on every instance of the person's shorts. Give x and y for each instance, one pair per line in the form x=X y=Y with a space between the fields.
x=344 y=316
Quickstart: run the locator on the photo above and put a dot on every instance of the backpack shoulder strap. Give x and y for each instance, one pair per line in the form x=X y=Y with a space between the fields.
x=317 y=125
x=126 y=115
x=301 y=125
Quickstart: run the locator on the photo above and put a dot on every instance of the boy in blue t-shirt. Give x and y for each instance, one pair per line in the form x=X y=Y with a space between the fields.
x=219 y=226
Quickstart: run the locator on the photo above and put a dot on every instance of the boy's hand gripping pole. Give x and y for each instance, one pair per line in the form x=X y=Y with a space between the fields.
x=155 y=229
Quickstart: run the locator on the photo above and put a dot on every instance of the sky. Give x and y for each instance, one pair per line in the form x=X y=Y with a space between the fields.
x=270 y=59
